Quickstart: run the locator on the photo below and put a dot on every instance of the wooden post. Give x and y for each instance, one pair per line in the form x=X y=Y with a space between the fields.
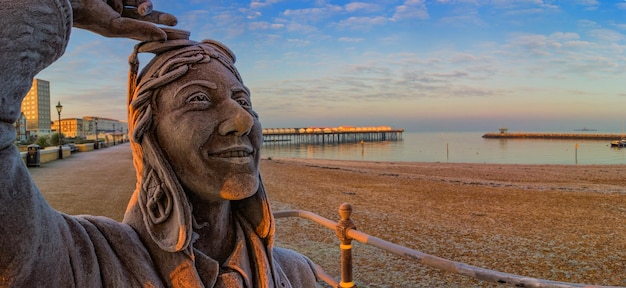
x=345 y=224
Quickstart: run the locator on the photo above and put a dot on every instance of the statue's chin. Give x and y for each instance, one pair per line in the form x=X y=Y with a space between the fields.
x=238 y=188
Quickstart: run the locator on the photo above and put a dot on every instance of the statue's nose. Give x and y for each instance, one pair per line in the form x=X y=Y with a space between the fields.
x=238 y=121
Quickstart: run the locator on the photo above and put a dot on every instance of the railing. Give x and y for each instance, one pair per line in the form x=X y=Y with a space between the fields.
x=345 y=230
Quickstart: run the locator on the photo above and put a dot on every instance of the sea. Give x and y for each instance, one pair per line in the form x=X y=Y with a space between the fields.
x=457 y=147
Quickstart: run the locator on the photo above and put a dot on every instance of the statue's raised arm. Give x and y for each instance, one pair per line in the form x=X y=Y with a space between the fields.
x=35 y=240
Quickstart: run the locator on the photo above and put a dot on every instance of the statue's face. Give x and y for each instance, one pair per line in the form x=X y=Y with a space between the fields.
x=205 y=126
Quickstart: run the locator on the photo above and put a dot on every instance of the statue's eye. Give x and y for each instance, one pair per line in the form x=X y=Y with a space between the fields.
x=199 y=98
x=244 y=103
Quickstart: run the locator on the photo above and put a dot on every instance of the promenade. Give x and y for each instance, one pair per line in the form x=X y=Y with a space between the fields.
x=97 y=182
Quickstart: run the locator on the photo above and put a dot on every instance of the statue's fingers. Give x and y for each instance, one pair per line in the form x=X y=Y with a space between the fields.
x=144 y=7
x=136 y=29
x=155 y=17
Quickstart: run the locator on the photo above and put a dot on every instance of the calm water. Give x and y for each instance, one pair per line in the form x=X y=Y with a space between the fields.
x=461 y=147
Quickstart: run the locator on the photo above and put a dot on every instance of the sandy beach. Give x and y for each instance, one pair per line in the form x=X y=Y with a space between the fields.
x=556 y=222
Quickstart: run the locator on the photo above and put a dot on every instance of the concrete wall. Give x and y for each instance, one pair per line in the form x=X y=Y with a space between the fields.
x=85 y=147
x=49 y=154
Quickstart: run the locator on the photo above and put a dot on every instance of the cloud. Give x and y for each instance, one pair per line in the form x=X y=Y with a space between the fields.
x=299 y=42
x=262 y=25
x=607 y=35
x=262 y=4
x=362 y=7
x=350 y=40
x=463 y=58
x=300 y=28
x=535 y=44
x=463 y=20
x=397 y=79
x=560 y=36
x=576 y=44
x=313 y=14
x=361 y=23
x=565 y=56
x=587 y=2
x=411 y=9
x=584 y=23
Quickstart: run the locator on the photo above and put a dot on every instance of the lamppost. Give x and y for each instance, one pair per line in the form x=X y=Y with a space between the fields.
x=59 y=108
x=113 y=134
x=95 y=144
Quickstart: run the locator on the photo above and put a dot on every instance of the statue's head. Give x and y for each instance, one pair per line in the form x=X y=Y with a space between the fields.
x=193 y=131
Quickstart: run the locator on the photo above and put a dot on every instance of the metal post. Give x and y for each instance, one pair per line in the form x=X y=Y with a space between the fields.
x=59 y=108
x=343 y=226
x=95 y=144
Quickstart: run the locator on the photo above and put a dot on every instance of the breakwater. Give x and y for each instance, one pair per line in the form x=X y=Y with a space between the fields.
x=326 y=135
x=568 y=136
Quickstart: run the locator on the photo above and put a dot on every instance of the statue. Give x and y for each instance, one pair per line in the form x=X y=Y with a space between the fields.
x=199 y=216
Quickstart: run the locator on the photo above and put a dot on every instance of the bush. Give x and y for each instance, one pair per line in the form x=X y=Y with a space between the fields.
x=54 y=139
x=42 y=141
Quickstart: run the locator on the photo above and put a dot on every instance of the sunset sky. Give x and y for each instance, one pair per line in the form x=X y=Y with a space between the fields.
x=434 y=65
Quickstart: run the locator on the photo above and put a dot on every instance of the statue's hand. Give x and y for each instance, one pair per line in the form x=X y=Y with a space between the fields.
x=121 y=18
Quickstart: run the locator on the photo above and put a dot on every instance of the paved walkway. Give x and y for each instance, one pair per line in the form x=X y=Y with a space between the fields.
x=97 y=182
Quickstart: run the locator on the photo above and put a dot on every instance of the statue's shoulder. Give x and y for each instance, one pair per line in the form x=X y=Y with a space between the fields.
x=297 y=268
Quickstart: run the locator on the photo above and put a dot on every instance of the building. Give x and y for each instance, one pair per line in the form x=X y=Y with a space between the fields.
x=20 y=128
x=71 y=127
x=36 y=108
x=109 y=130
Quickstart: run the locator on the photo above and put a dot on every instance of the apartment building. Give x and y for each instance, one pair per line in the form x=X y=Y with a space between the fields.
x=36 y=108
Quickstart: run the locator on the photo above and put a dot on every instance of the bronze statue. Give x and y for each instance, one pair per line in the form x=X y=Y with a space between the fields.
x=199 y=216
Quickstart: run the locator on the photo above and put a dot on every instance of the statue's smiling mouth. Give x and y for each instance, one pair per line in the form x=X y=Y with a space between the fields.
x=232 y=154
x=239 y=152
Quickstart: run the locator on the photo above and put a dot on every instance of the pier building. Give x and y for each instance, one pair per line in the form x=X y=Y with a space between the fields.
x=325 y=135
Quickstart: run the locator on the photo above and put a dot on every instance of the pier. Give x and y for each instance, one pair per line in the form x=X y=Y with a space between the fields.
x=565 y=136
x=342 y=134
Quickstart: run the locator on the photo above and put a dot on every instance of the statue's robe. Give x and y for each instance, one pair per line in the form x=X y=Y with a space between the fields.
x=41 y=247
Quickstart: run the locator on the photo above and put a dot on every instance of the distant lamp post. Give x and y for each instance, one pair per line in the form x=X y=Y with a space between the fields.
x=95 y=144
x=59 y=108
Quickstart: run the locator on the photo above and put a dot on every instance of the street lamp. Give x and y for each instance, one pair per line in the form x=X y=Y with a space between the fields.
x=95 y=144
x=59 y=108
x=113 y=134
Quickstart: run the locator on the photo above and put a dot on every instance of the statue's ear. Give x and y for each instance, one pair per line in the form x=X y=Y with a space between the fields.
x=163 y=203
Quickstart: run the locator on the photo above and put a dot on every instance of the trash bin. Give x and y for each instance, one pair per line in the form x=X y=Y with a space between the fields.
x=33 y=156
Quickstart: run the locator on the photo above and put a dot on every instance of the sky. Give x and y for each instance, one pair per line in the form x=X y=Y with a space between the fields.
x=421 y=65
